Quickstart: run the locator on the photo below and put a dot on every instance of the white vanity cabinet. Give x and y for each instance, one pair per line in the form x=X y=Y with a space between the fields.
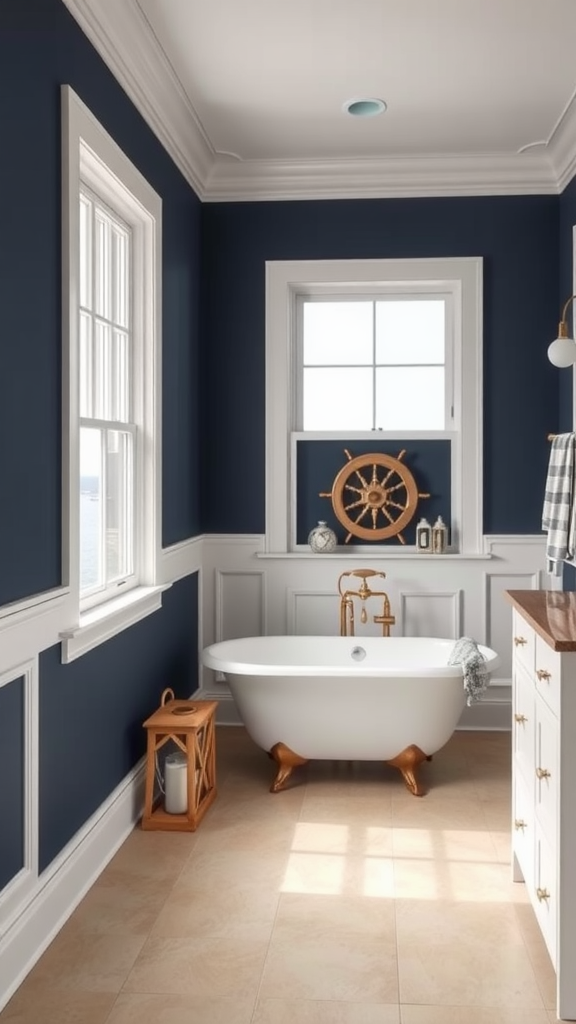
x=544 y=773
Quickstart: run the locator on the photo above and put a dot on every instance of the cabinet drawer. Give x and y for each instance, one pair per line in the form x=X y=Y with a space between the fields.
x=544 y=894
x=547 y=671
x=546 y=767
x=523 y=641
x=523 y=831
x=523 y=722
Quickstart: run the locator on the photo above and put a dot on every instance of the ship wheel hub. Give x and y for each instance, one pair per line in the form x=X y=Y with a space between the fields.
x=376 y=497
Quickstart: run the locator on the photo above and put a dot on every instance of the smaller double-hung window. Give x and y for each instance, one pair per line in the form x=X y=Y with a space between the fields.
x=377 y=352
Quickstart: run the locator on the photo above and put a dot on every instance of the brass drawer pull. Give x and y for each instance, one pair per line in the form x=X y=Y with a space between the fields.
x=519 y=823
x=542 y=894
x=542 y=773
x=543 y=674
x=520 y=719
x=519 y=641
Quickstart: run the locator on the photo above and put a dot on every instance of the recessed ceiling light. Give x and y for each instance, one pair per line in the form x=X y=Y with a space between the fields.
x=364 y=107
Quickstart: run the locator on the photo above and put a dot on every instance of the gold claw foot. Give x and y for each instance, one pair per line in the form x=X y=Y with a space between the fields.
x=407 y=762
x=286 y=760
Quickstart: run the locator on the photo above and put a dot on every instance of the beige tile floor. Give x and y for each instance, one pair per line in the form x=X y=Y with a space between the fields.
x=343 y=900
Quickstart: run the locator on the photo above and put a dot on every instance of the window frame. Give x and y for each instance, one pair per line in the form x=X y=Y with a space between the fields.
x=285 y=282
x=90 y=155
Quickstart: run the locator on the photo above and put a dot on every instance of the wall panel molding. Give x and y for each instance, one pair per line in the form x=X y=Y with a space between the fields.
x=431 y=601
x=22 y=885
x=498 y=614
x=240 y=604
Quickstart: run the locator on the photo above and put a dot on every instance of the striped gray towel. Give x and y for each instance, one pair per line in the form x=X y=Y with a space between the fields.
x=476 y=676
x=558 y=512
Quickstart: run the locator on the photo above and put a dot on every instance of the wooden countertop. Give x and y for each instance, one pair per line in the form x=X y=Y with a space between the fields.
x=552 y=613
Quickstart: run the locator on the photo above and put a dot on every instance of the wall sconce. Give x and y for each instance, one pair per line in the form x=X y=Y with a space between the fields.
x=562 y=351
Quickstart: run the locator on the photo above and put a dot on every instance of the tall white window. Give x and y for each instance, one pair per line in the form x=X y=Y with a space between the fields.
x=112 y=261
x=359 y=348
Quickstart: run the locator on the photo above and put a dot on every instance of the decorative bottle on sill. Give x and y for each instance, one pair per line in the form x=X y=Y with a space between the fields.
x=439 y=536
x=424 y=537
x=322 y=539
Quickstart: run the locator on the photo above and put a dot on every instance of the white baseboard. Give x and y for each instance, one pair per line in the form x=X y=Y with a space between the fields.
x=487 y=716
x=67 y=880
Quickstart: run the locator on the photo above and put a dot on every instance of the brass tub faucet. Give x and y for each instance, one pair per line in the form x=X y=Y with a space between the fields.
x=386 y=619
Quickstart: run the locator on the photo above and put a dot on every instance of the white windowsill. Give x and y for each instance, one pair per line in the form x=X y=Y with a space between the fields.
x=109 y=619
x=371 y=553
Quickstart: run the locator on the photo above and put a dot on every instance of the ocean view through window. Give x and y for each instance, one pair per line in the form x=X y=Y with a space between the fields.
x=89 y=539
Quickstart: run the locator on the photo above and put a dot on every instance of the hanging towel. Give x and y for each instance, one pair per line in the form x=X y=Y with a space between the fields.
x=476 y=676
x=558 y=512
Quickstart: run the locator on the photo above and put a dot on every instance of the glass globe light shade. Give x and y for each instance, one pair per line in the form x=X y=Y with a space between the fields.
x=562 y=352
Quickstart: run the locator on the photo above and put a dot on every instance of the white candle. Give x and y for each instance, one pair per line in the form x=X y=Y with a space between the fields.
x=175 y=784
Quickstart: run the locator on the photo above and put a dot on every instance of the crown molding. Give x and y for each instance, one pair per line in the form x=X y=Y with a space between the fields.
x=124 y=39
x=518 y=174
x=562 y=146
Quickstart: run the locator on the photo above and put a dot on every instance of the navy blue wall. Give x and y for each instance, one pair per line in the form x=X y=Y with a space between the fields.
x=12 y=754
x=518 y=238
x=91 y=711
x=41 y=47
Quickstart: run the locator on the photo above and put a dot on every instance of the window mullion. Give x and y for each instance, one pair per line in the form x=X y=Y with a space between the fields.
x=374 y=425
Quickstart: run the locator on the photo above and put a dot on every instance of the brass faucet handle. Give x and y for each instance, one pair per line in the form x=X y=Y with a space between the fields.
x=385 y=620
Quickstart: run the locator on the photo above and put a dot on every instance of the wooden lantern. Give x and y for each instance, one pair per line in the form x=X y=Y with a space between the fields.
x=189 y=724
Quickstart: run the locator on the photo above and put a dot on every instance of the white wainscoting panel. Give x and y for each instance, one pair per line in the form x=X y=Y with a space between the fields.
x=434 y=613
x=311 y=612
x=499 y=615
x=240 y=604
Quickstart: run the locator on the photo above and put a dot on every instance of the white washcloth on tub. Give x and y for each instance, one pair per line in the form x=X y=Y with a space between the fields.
x=558 y=513
x=476 y=676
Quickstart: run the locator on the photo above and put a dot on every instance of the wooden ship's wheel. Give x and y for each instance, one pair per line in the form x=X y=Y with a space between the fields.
x=374 y=496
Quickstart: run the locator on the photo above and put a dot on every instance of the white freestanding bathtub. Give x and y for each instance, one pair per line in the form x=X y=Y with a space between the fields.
x=392 y=699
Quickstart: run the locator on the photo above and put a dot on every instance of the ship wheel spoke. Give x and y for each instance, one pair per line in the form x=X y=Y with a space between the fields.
x=364 y=482
x=362 y=514
x=354 y=504
x=396 y=487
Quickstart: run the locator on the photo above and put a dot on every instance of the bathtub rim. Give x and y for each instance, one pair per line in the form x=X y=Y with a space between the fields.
x=212 y=658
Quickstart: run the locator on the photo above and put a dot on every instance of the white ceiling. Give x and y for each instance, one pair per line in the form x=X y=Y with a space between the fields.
x=480 y=93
